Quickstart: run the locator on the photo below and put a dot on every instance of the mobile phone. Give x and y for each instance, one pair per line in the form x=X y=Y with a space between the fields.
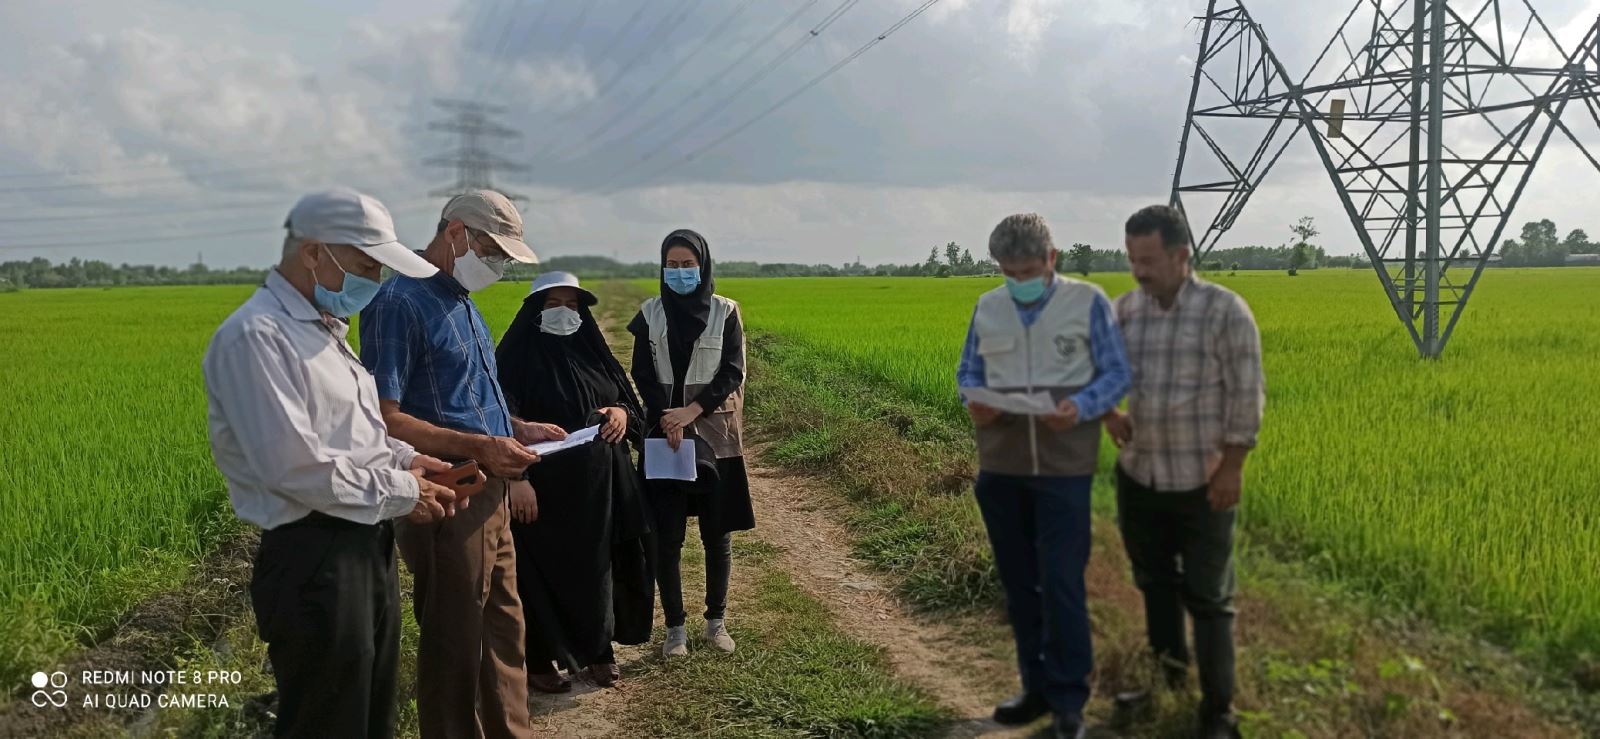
x=462 y=478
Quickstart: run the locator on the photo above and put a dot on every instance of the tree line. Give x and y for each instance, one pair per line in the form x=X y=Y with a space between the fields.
x=1538 y=246
x=75 y=272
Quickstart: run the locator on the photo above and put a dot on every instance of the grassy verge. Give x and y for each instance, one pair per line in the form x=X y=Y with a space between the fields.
x=172 y=630
x=794 y=673
x=1315 y=658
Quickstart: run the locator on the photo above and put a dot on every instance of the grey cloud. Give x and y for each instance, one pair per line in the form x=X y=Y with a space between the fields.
x=975 y=110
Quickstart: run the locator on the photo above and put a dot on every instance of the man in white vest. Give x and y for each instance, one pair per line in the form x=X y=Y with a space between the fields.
x=1042 y=332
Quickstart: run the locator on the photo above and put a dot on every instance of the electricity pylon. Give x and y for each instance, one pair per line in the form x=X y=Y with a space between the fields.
x=1428 y=121
x=474 y=164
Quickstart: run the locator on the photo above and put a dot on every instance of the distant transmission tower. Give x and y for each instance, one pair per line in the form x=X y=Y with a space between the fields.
x=474 y=164
x=1428 y=121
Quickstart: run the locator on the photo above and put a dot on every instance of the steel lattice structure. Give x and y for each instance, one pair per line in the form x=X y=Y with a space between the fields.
x=474 y=164
x=1428 y=121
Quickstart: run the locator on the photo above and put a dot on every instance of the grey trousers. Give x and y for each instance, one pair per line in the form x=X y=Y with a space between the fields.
x=1182 y=555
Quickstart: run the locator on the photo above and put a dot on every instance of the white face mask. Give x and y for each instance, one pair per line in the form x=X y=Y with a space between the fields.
x=560 y=320
x=473 y=272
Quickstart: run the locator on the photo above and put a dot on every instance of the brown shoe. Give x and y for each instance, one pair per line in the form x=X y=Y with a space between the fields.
x=605 y=675
x=549 y=682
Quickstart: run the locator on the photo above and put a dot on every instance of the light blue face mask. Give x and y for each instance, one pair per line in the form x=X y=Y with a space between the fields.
x=682 y=280
x=355 y=292
x=1026 y=291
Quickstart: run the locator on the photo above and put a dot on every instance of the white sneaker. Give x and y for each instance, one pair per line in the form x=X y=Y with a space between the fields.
x=677 y=643
x=717 y=635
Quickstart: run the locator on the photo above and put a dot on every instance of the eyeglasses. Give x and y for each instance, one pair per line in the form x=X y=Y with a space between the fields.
x=494 y=256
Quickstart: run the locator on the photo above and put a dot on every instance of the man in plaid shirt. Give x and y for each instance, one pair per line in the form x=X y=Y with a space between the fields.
x=1193 y=414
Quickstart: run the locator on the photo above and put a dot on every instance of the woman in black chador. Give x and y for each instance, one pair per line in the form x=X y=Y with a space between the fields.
x=580 y=521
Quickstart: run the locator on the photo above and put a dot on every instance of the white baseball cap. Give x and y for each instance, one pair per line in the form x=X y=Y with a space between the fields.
x=561 y=279
x=342 y=215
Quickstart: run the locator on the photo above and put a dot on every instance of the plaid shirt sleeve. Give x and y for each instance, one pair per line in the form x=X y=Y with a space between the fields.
x=390 y=330
x=970 y=372
x=1112 y=376
x=1243 y=383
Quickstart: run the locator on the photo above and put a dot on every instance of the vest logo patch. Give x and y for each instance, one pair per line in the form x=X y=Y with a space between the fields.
x=1066 y=346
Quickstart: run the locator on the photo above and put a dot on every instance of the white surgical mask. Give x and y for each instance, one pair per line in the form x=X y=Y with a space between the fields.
x=560 y=320
x=476 y=273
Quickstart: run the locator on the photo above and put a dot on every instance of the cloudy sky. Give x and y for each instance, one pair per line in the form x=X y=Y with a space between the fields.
x=158 y=130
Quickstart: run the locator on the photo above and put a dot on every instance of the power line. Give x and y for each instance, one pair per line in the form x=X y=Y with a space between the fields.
x=801 y=90
x=726 y=100
x=163 y=165
x=663 y=30
x=505 y=26
x=317 y=152
x=714 y=80
x=625 y=111
x=813 y=82
x=761 y=75
x=140 y=239
x=141 y=214
x=604 y=53
x=274 y=226
x=494 y=81
x=172 y=177
x=484 y=18
x=570 y=33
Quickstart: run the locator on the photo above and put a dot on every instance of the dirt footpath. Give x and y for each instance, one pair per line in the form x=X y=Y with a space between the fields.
x=797 y=518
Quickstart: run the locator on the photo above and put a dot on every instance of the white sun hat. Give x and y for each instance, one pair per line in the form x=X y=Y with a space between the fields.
x=561 y=279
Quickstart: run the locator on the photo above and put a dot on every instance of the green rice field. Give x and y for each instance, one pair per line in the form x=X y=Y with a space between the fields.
x=109 y=490
x=1464 y=486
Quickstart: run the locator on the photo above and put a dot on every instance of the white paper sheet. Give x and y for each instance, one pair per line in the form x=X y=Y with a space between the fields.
x=662 y=463
x=1022 y=404
x=573 y=441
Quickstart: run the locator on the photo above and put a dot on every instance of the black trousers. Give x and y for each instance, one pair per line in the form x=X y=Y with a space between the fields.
x=1182 y=555
x=670 y=528
x=326 y=597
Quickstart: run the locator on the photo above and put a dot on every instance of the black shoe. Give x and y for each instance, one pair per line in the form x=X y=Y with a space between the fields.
x=1025 y=708
x=1070 y=727
x=1220 y=726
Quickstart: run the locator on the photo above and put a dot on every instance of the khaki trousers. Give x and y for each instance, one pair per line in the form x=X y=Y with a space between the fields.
x=471 y=670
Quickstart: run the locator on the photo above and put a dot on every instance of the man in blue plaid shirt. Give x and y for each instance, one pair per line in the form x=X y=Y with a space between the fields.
x=432 y=358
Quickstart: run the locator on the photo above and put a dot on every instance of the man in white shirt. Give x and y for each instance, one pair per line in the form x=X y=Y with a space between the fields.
x=296 y=431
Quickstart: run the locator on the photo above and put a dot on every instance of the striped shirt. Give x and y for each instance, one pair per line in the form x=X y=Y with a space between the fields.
x=1197 y=383
x=429 y=349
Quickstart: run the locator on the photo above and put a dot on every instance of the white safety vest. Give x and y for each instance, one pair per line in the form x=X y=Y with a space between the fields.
x=707 y=354
x=1054 y=352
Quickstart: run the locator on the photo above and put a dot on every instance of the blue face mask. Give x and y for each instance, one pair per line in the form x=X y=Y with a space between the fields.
x=682 y=280
x=1026 y=291
x=354 y=293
